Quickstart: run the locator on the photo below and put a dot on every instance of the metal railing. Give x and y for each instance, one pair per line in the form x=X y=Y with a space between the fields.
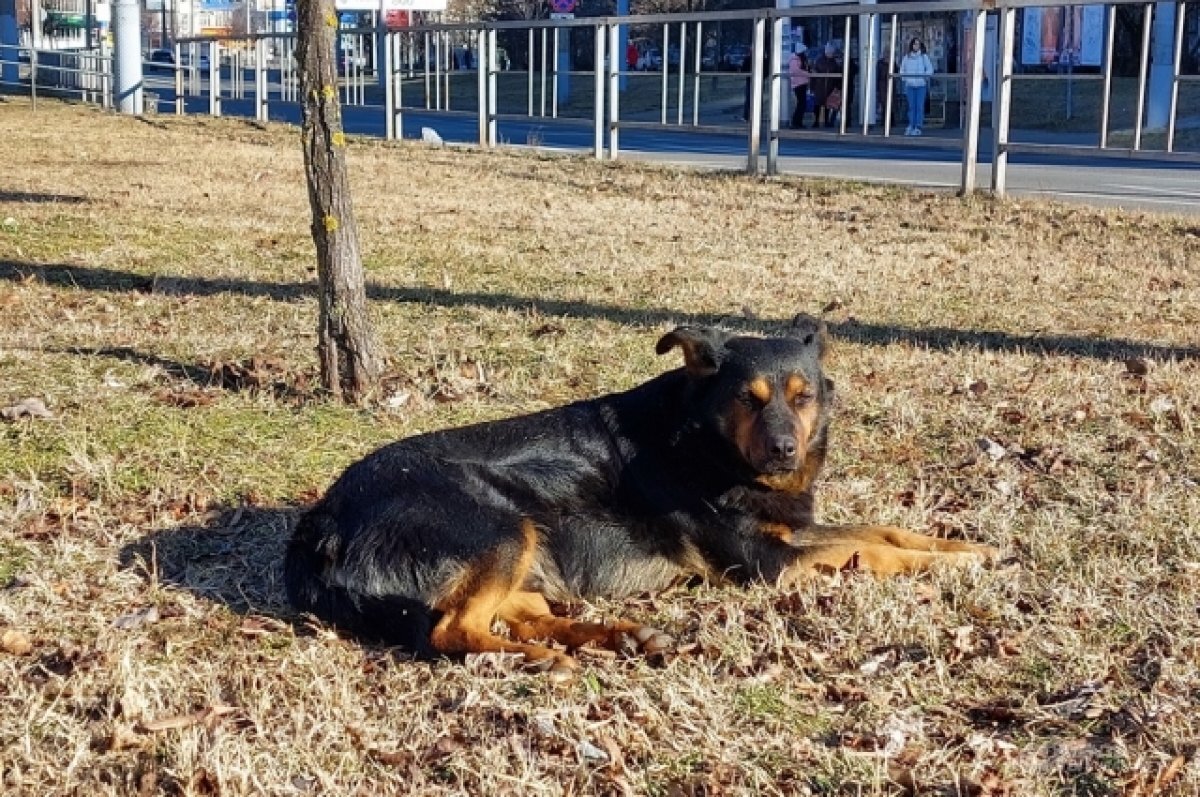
x=575 y=72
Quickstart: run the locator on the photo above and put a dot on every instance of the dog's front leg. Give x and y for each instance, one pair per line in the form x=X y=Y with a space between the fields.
x=884 y=550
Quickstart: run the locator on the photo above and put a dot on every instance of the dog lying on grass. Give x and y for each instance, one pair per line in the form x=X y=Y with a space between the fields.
x=707 y=470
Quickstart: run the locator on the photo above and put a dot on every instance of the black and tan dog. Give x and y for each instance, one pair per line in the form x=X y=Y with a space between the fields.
x=706 y=470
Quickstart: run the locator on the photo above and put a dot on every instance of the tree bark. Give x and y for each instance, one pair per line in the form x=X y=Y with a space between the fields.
x=347 y=347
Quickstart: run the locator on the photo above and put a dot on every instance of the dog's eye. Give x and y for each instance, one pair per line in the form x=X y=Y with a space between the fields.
x=750 y=400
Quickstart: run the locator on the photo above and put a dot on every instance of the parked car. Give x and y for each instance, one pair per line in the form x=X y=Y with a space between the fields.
x=163 y=60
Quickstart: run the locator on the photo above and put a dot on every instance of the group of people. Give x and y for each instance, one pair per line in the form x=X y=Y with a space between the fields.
x=818 y=88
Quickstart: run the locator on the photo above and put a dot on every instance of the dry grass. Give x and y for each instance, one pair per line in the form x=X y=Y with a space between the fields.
x=156 y=293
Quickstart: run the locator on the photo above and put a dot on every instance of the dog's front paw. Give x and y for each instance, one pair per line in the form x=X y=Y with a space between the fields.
x=646 y=640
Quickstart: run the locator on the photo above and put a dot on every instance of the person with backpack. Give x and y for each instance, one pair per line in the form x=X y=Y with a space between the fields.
x=915 y=71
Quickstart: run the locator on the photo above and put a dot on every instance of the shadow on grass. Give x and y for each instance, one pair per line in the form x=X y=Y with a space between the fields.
x=940 y=338
x=234 y=558
x=22 y=196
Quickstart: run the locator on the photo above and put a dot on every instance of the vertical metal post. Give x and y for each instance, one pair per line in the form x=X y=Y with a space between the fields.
x=127 y=35
x=1181 y=17
x=1110 y=25
x=665 y=68
x=614 y=89
x=600 y=81
x=529 y=72
x=33 y=77
x=492 y=93
x=844 y=113
x=554 y=81
x=867 y=70
x=389 y=85
x=1002 y=103
x=696 y=77
x=776 y=86
x=974 y=104
x=177 y=55
x=214 y=78
x=891 y=77
x=402 y=42
x=1143 y=71
x=544 y=70
x=261 y=100
x=427 y=59
x=754 y=135
x=682 y=70
x=481 y=81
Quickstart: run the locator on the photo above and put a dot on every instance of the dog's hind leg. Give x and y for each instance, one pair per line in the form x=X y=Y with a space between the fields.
x=529 y=618
x=475 y=599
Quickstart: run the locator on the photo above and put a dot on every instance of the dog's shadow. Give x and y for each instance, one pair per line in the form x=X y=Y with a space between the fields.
x=233 y=557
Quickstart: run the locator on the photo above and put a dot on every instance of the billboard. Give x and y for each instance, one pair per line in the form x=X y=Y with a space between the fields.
x=1063 y=35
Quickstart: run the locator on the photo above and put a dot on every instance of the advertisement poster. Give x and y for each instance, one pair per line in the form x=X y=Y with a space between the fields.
x=1063 y=36
x=990 y=40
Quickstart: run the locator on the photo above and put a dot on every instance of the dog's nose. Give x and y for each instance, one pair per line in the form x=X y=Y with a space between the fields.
x=783 y=446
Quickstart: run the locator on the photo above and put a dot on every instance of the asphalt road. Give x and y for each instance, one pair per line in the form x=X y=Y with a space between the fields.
x=931 y=162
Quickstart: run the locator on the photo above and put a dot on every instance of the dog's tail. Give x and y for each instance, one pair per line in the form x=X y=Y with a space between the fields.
x=392 y=619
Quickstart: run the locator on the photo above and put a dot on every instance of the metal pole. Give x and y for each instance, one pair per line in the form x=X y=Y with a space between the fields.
x=554 y=82
x=598 y=90
x=614 y=90
x=776 y=92
x=754 y=119
x=482 y=84
x=1106 y=98
x=1174 y=108
x=867 y=70
x=891 y=78
x=529 y=71
x=389 y=84
x=844 y=113
x=682 y=70
x=971 y=133
x=1143 y=70
x=665 y=68
x=544 y=69
x=214 y=78
x=1002 y=104
x=493 y=70
x=177 y=53
x=127 y=35
x=696 y=78
x=261 y=107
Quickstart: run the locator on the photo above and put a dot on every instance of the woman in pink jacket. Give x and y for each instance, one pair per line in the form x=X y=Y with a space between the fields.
x=800 y=77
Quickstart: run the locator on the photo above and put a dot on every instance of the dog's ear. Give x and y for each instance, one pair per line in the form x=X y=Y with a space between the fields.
x=703 y=348
x=811 y=332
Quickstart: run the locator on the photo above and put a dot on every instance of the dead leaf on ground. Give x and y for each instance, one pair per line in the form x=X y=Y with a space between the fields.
x=134 y=619
x=15 y=642
x=26 y=408
x=207 y=717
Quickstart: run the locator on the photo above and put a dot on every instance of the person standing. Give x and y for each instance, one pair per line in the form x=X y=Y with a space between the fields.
x=915 y=71
x=826 y=78
x=799 y=77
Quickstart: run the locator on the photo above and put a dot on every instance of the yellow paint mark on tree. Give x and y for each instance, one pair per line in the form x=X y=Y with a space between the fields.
x=328 y=92
x=331 y=19
x=338 y=139
x=331 y=224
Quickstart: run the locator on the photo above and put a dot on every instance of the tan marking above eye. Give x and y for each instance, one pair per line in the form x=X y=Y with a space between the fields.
x=760 y=388
x=795 y=386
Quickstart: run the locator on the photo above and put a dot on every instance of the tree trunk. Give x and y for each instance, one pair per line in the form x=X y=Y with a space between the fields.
x=347 y=346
